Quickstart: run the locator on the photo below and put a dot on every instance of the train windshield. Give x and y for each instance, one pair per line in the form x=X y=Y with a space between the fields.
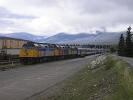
x=28 y=45
x=44 y=45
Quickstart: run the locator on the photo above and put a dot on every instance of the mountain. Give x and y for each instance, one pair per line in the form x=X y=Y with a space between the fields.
x=65 y=38
x=25 y=36
x=83 y=38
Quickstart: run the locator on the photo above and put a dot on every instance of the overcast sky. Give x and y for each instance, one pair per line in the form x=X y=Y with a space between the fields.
x=48 y=17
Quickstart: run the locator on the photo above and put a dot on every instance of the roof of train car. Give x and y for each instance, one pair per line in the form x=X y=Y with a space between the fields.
x=51 y=45
x=38 y=45
x=2 y=37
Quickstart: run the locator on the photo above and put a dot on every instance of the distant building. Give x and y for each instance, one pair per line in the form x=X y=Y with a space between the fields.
x=10 y=46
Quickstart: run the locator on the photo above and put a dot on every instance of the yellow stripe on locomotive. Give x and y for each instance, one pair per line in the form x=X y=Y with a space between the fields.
x=29 y=50
x=29 y=53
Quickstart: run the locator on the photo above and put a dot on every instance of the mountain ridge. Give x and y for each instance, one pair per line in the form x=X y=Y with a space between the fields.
x=80 y=38
x=24 y=36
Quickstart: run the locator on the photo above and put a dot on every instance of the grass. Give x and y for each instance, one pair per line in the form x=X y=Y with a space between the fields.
x=125 y=80
x=111 y=81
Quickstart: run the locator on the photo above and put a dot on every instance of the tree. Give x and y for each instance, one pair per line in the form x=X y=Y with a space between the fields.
x=121 y=47
x=129 y=47
x=113 y=49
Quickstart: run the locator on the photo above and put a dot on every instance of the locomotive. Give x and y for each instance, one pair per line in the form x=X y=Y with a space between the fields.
x=32 y=52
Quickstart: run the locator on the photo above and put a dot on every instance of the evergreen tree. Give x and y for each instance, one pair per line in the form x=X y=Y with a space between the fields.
x=121 y=48
x=132 y=47
x=129 y=47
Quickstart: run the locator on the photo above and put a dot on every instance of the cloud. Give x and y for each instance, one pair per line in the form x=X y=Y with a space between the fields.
x=4 y=13
x=124 y=3
x=48 y=17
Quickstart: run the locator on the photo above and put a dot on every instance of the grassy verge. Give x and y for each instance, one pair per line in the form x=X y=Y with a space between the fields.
x=124 y=89
x=112 y=80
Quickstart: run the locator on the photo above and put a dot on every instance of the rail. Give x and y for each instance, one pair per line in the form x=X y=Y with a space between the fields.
x=4 y=62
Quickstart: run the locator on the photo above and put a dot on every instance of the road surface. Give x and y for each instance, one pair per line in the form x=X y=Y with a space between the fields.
x=128 y=60
x=22 y=83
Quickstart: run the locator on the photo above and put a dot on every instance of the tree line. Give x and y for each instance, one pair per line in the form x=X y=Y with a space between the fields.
x=125 y=47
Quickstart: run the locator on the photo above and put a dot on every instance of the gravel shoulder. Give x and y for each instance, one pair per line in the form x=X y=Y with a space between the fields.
x=24 y=82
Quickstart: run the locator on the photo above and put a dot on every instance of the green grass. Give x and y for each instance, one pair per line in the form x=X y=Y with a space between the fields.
x=111 y=81
x=125 y=79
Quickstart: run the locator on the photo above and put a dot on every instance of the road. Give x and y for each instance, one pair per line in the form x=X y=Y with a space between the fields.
x=22 y=83
x=128 y=60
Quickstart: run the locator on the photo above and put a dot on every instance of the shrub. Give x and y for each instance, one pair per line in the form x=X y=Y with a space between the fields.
x=109 y=62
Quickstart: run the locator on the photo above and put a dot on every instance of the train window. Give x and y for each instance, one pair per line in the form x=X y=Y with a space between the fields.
x=25 y=46
x=41 y=45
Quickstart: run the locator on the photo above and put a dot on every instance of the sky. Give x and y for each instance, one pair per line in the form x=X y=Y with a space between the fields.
x=49 y=17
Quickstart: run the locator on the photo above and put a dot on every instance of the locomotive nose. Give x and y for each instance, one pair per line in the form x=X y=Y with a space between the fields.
x=23 y=53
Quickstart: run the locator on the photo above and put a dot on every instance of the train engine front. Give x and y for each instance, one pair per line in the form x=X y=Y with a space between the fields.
x=29 y=53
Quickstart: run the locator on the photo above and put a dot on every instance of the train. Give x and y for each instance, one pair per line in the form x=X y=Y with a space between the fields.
x=32 y=52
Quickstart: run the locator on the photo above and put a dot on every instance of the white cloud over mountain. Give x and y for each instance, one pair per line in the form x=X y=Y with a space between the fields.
x=49 y=17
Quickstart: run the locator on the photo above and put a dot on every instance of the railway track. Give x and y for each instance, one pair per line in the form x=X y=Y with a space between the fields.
x=6 y=64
